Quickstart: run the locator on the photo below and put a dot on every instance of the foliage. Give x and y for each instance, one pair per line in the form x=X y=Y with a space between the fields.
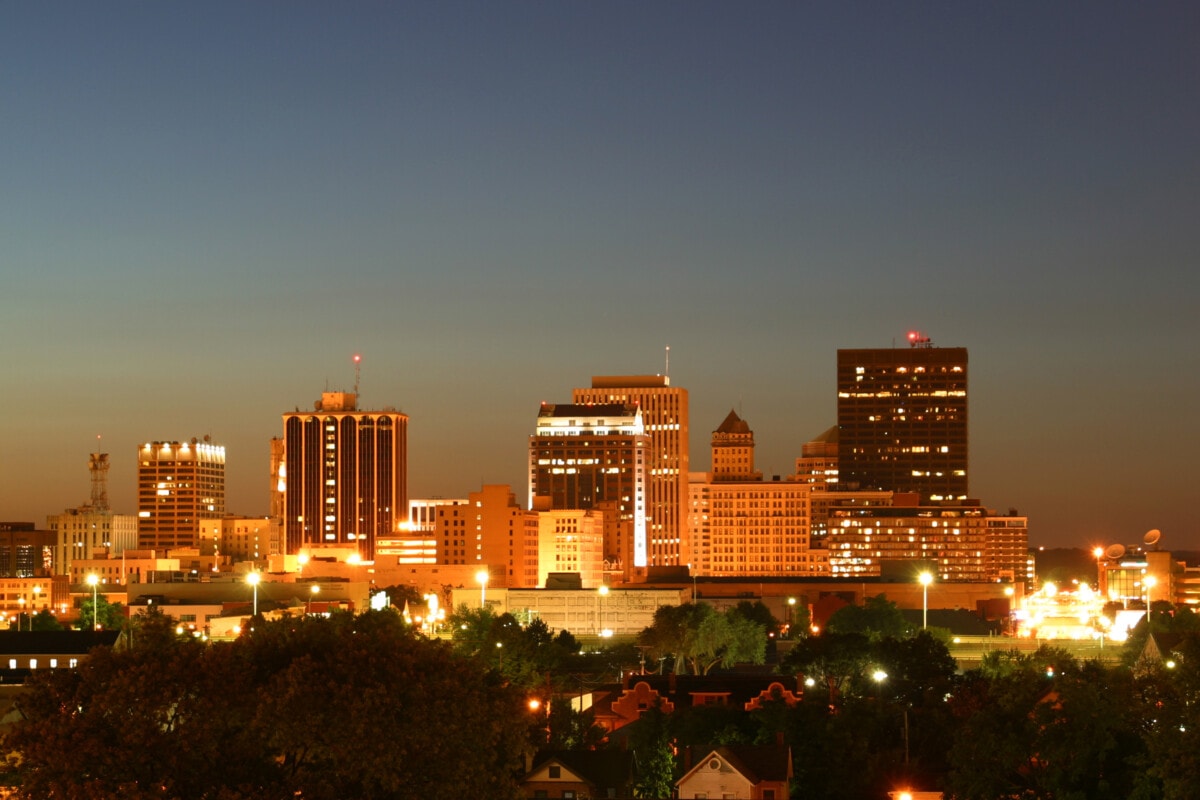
x=45 y=620
x=651 y=741
x=1045 y=726
x=349 y=706
x=696 y=635
x=876 y=618
x=110 y=615
x=570 y=729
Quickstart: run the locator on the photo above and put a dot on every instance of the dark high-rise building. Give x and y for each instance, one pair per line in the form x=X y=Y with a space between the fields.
x=902 y=420
x=665 y=413
x=343 y=475
x=593 y=457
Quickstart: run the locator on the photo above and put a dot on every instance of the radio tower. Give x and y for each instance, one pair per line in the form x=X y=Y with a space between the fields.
x=98 y=466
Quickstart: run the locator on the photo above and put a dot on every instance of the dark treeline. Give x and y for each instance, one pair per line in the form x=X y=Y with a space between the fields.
x=364 y=707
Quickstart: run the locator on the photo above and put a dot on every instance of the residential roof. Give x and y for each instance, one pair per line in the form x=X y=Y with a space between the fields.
x=604 y=769
x=64 y=643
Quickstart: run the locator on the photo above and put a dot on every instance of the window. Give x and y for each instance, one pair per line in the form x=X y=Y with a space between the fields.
x=555 y=772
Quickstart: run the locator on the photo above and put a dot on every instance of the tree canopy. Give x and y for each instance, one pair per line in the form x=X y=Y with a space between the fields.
x=350 y=706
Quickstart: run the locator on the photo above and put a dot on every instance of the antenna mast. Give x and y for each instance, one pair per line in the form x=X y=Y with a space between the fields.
x=668 y=367
x=357 y=365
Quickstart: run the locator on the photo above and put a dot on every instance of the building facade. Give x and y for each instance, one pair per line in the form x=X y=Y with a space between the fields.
x=593 y=457
x=343 y=475
x=665 y=416
x=902 y=420
x=957 y=541
x=93 y=528
x=179 y=485
x=739 y=524
x=490 y=531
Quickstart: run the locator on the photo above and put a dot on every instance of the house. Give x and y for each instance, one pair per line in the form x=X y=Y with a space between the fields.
x=23 y=652
x=614 y=708
x=580 y=775
x=737 y=772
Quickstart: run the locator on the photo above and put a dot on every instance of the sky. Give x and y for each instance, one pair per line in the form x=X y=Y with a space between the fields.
x=206 y=209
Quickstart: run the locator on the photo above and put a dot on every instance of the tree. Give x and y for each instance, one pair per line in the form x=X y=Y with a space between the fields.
x=876 y=618
x=111 y=616
x=695 y=634
x=350 y=706
x=45 y=620
x=650 y=739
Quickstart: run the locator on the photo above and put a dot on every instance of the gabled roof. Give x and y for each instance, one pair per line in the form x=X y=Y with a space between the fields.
x=603 y=769
x=757 y=763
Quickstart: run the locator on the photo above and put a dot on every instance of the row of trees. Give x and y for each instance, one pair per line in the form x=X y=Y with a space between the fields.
x=350 y=706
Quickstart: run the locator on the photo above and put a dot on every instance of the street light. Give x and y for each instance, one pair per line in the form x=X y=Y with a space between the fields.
x=253 y=578
x=481 y=578
x=93 y=580
x=21 y=613
x=926 y=578
x=313 y=591
x=301 y=560
x=1149 y=581
x=33 y=607
x=603 y=592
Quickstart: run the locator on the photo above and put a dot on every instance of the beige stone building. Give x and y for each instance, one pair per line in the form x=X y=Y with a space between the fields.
x=739 y=524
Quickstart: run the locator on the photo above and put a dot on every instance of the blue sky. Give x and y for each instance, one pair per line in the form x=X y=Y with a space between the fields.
x=207 y=209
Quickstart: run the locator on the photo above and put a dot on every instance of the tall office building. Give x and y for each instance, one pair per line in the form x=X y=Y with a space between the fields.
x=179 y=485
x=593 y=457
x=343 y=475
x=665 y=416
x=902 y=420
x=740 y=524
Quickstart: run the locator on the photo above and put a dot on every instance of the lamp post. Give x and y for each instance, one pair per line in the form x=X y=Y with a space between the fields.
x=21 y=613
x=482 y=578
x=253 y=578
x=1149 y=582
x=313 y=591
x=301 y=560
x=926 y=579
x=33 y=606
x=791 y=607
x=603 y=593
x=93 y=580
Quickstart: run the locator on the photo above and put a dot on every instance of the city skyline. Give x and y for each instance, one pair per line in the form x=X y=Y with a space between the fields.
x=208 y=211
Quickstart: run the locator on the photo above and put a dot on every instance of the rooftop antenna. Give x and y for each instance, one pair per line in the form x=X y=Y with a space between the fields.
x=357 y=364
x=918 y=339
x=668 y=367
x=98 y=466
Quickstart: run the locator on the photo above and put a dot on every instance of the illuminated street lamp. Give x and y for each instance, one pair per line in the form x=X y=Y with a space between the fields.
x=93 y=580
x=33 y=607
x=313 y=591
x=253 y=578
x=21 y=613
x=926 y=578
x=603 y=593
x=481 y=578
x=1149 y=582
x=301 y=560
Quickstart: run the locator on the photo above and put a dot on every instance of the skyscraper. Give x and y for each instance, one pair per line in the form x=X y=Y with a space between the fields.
x=593 y=457
x=344 y=475
x=665 y=416
x=902 y=420
x=179 y=485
